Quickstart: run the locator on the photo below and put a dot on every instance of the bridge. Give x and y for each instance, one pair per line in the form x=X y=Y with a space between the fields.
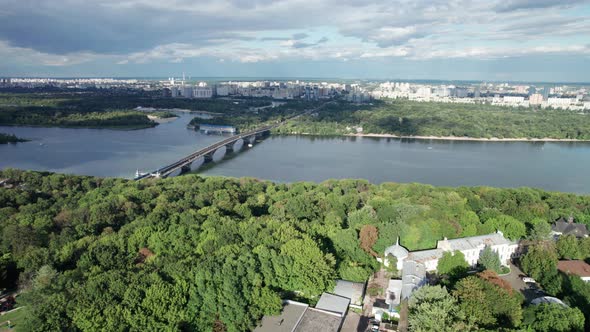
x=184 y=164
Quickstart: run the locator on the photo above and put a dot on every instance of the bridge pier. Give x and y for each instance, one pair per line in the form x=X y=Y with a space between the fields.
x=249 y=139
x=229 y=148
x=207 y=158
x=186 y=168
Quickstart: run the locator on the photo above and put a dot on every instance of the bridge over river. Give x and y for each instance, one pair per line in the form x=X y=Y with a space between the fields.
x=249 y=137
x=184 y=164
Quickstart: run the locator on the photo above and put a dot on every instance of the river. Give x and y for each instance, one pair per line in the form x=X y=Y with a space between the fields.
x=553 y=166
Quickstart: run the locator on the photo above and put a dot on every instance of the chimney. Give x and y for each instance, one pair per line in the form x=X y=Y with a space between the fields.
x=570 y=220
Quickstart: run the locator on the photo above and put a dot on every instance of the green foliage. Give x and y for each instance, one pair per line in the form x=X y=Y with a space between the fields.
x=487 y=305
x=8 y=138
x=190 y=253
x=374 y=290
x=540 y=230
x=553 y=317
x=539 y=260
x=489 y=260
x=452 y=264
x=568 y=247
x=412 y=118
x=432 y=308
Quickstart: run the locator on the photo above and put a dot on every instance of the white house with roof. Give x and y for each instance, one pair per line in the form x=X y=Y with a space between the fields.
x=414 y=265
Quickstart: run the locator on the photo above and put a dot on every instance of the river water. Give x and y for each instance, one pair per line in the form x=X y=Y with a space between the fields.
x=102 y=152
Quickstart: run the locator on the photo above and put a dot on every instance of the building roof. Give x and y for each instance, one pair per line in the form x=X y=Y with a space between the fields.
x=576 y=267
x=569 y=228
x=285 y=322
x=425 y=255
x=352 y=290
x=413 y=277
x=397 y=251
x=547 y=299
x=315 y=320
x=474 y=242
x=394 y=290
x=333 y=303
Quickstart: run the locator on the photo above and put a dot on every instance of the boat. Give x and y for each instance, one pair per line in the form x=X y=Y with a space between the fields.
x=430 y=148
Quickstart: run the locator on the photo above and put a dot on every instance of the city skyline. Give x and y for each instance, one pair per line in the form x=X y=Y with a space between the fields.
x=518 y=40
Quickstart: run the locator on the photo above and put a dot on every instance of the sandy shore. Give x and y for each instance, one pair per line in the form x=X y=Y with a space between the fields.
x=161 y=120
x=457 y=138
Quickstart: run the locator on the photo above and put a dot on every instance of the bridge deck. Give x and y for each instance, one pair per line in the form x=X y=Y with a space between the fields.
x=166 y=170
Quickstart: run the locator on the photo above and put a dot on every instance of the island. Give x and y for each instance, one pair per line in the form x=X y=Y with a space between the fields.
x=10 y=138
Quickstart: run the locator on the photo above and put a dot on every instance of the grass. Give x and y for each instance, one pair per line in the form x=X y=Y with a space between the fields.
x=16 y=318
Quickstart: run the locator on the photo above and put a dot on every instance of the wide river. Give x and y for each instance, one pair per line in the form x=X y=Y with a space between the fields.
x=553 y=166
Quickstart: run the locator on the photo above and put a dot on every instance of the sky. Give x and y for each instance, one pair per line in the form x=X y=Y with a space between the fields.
x=495 y=40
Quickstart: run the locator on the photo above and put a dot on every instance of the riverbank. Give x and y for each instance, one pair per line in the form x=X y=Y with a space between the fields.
x=478 y=139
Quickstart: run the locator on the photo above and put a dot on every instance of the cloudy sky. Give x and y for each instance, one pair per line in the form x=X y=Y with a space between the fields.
x=528 y=40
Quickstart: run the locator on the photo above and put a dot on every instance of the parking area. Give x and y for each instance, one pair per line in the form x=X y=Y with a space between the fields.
x=529 y=290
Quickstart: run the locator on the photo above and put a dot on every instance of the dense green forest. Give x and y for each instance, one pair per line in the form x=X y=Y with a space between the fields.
x=191 y=253
x=247 y=119
x=411 y=118
x=116 y=109
x=10 y=138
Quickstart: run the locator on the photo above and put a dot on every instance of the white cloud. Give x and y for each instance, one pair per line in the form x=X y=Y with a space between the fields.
x=145 y=31
x=29 y=56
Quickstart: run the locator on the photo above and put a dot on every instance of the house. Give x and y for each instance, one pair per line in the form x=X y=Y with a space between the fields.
x=355 y=291
x=328 y=315
x=575 y=267
x=414 y=265
x=471 y=247
x=569 y=227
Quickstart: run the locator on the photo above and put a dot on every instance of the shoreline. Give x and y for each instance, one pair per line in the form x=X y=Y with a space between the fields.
x=479 y=139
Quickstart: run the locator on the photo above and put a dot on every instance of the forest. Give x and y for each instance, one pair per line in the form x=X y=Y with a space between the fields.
x=103 y=109
x=412 y=118
x=200 y=254
x=10 y=138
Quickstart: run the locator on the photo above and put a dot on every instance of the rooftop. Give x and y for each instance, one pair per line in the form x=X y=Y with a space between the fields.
x=286 y=321
x=413 y=277
x=569 y=227
x=333 y=303
x=474 y=242
x=352 y=290
x=576 y=267
x=548 y=299
x=315 y=320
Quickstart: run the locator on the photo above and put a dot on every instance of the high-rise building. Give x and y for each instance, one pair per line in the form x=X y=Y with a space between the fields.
x=536 y=99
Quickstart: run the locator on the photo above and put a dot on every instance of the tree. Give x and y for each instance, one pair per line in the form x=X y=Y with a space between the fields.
x=452 y=264
x=540 y=231
x=489 y=259
x=486 y=304
x=511 y=227
x=553 y=317
x=432 y=308
x=539 y=260
x=568 y=248
x=368 y=236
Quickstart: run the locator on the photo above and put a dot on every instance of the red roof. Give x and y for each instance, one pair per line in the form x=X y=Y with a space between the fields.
x=578 y=267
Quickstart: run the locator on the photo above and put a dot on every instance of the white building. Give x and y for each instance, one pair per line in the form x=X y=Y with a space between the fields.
x=202 y=92
x=414 y=265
